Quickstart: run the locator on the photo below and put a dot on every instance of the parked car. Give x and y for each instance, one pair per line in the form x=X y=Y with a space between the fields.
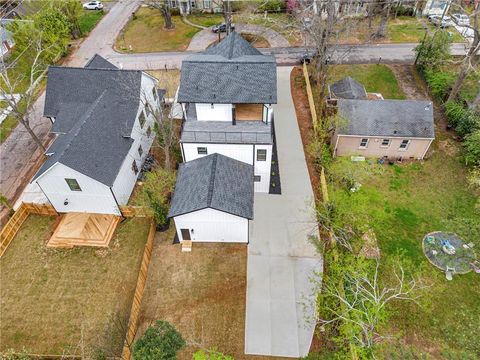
x=222 y=28
x=461 y=19
x=93 y=5
x=443 y=23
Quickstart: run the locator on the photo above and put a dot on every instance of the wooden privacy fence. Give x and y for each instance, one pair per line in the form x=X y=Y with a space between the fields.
x=137 y=297
x=135 y=211
x=311 y=103
x=15 y=222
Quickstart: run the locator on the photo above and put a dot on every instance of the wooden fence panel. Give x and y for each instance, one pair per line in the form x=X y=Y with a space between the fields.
x=311 y=103
x=137 y=298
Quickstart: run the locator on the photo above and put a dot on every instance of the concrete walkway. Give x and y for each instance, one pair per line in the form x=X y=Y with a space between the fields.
x=281 y=261
x=204 y=38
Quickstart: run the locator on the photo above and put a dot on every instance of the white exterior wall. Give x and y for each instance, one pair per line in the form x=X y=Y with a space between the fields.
x=210 y=225
x=95 y=197
x=214 y=112
x=126 y=178
x=241 y=152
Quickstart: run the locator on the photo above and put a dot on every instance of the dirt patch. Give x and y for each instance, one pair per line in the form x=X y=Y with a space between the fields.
x=304 y=118
x=410 y=82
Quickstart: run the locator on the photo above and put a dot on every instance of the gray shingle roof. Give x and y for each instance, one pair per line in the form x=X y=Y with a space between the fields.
x=394 y=118
x=95 y=110
x=214 y=181
x=98 y=62
x=348 y=88
x=232 y=71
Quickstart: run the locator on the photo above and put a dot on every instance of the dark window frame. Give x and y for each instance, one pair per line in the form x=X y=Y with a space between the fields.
x=141 y=119
x=140 y=150
x=262 y=157
x=135 y=167
x=73 y=184
x=257 y=178
x=202 y=150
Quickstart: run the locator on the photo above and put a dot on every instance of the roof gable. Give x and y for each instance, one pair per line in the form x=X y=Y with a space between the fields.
x=233 y=46
x=348 y=88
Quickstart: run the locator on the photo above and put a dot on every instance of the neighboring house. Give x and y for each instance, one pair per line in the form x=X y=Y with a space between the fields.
x=226 y=94
x=393 y=129
x=188 y=6
x=436 y=7
x=104 y=130
x=6 y=38
x=213 y=200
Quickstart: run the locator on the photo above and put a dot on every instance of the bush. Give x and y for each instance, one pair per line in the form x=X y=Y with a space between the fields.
x=160 y=342
x=272 y=6
x=439 y=82
x=472 y=148
x=464 y=120
x=405 y=11
x=434 y=51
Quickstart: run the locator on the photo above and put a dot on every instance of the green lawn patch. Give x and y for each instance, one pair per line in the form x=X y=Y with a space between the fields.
x=146 y=33
x=89 y=19
x=402 y=203
x=206 y=19
x=375 y=78
x=50 y=298
x=6 y=127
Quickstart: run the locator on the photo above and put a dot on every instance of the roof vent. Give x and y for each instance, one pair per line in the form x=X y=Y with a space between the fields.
x=427 y=107
x=395 y=131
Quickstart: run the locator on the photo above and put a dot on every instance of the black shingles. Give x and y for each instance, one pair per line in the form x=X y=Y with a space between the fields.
x=214 y=181
x=348 y=88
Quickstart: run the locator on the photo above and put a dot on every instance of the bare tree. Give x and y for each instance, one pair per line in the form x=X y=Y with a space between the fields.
x=471 y=59
x=164 y=7
x=385 y=7
x=21 y=102
x=363 y=300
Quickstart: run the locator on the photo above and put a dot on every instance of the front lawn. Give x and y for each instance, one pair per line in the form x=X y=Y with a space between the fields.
x=375 y=78
x=58 y=301
x=201 y=293
x=206 y=19
x=89 y=20
x=146 y=33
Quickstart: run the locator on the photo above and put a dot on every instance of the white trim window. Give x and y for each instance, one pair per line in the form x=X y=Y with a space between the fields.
x=404 y=145
x=363 y=143
x=385 y=143
x=202 y=150
x=173 y=4
x=207 y=4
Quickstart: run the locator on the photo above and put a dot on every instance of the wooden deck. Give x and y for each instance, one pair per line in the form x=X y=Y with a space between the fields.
x=83 y=229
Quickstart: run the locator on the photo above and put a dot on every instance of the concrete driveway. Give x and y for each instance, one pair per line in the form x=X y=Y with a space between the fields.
x=281 y=261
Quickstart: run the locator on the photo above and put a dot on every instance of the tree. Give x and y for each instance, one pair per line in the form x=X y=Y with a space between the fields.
x=72 y=9
x=384 y=7
x=433 y=51
x=471 y=60
x=159 y=342
x=164 y=7
x=472 y=148
x=156 y=192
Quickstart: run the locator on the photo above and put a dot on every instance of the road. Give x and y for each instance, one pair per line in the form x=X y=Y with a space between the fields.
x=19 y=155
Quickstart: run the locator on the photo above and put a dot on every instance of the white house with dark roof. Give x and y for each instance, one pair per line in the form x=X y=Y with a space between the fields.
x=213 y=200
x=103 y=124
x=226 y=94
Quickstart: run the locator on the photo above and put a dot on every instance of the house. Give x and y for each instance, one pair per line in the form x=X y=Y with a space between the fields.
x=436 y=7
x=226 y=94
x=393 y=129
x=103 y=125
x=188 y=6
x=213 y=200
x=6 y=39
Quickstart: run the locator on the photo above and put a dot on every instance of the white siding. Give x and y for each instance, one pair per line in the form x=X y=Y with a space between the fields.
x=126 y=178
x=263 y=169
x=210 y=225
x=214 y=112
x=95 y=197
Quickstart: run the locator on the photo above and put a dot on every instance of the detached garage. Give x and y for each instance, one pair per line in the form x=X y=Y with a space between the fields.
x=213 y=200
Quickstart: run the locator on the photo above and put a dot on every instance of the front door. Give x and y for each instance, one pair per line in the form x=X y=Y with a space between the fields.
x=185 y=234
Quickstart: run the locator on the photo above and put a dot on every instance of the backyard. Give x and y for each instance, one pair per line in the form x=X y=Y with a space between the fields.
x=401 y=203
x=68 y=301
x=201 y=293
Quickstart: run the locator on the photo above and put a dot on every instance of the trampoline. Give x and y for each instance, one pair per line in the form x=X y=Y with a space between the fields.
x=448 y=252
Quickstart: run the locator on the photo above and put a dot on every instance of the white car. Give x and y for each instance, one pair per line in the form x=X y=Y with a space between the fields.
x=461 y=19
x=93 y=5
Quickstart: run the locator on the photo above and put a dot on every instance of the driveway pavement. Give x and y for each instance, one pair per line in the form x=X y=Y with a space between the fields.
x=281 y=261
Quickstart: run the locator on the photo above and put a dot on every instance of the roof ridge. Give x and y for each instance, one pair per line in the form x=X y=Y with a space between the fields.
x=211 y=184
x=91 y=69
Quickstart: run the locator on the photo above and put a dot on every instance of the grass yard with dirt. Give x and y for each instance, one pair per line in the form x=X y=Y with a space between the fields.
x=146 y=33
x=52 y=298
x=201 y=293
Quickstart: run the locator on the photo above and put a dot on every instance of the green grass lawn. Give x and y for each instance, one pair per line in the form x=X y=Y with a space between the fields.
x=88 y=20
x=206 y=19
x=375 y=78
x=6 y=127
x=146 y=33
x=51 y=298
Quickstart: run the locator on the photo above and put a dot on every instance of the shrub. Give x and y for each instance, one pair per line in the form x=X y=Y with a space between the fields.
x=159 y=342
x=405 y=11
x=464 y=120
x=472 y=148
x=434 y=51
x=272 y=5
x=439 y=82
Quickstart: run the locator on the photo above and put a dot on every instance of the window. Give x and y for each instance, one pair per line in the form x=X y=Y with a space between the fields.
x=149 y=131
x=385 y=143
x=154 y=93
x=202 y=150
x=73 y=184
x=404 y=144
x=193 y=3
x=261 y=155
x=207 y=4
x=141 y=119
x=135 y=167
x=140 y=150
x=147 y=110
x=174 y=4
x=257 y=178
x=363 y=143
